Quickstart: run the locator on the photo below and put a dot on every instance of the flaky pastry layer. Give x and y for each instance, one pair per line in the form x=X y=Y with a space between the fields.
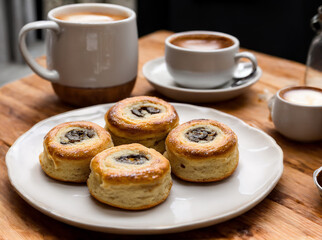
x=69 y=148
x=131 y=118
x=223 y=142
x=202 y=151
x=130 y=177
x=111 y=171
x=79 y=150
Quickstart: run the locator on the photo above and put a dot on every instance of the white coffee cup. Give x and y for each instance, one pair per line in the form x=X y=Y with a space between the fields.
x=301 y=122
x=200 y=68
x=84 y=56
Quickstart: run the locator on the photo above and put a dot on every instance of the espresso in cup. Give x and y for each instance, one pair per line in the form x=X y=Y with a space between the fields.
x=303 y=96
x=203 y=59
x=202 y=42
x=90 y=17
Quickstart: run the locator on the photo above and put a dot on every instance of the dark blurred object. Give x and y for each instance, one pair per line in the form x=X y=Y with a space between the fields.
x=280 y=28
x=313 y=74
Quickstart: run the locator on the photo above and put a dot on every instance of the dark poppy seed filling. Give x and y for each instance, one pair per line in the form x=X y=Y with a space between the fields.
x=200 y=134
x=136 y=159
x=142 y=111
x=77 y=135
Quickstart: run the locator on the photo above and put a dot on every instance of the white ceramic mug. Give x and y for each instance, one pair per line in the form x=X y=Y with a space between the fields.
x=204 y=68
x=295 y=121
x=87 y=55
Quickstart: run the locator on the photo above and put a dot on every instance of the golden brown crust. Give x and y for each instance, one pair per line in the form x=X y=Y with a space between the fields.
x=134 y=208
x=81 y=151
x=202 y=151
x=69 y=148
x=211 y=179
x=178 y=144
x=55 y=176
x=155 y=143
x=122 y=123
x=208 y=179
x=130 y=177
x=113 y=173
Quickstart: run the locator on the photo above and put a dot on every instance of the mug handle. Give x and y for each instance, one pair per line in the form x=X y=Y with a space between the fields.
x=252 y=59
x=51 y=75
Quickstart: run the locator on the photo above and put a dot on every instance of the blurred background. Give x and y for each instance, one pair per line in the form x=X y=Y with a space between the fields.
x=276 y=27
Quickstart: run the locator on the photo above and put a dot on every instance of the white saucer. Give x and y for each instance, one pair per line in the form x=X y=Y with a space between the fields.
x=156 y=73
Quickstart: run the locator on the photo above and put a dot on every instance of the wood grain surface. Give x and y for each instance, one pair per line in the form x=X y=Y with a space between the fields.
x=293 y=210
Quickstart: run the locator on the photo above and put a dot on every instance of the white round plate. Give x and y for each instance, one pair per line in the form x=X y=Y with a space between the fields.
x=155 y=71
x=188 y=206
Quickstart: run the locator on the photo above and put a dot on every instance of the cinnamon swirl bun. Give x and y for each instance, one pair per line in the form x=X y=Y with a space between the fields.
x=145 y=120
x=69 y=148
x=202 y=151
x=130 y=176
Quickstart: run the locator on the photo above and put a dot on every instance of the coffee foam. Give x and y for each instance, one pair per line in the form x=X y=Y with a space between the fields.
x=202 y=42
x=90 y=17
x=303 y=96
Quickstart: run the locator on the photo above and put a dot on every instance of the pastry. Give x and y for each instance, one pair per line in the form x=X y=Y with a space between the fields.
x=145 y=120
x=130 y=176
x=69 y=148
x=202 y=151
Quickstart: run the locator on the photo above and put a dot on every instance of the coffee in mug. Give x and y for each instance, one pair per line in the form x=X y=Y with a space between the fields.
x=202 y=42
x=303 y=96
x=92 y=52
x=203 y=59
x=90 y=17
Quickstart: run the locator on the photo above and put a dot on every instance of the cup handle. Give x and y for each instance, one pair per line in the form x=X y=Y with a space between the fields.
x=252 y=59
x=51 y=75
x=270 y=105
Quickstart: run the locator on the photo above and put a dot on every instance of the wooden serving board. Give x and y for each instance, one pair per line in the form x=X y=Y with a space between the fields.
x=292 y=211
